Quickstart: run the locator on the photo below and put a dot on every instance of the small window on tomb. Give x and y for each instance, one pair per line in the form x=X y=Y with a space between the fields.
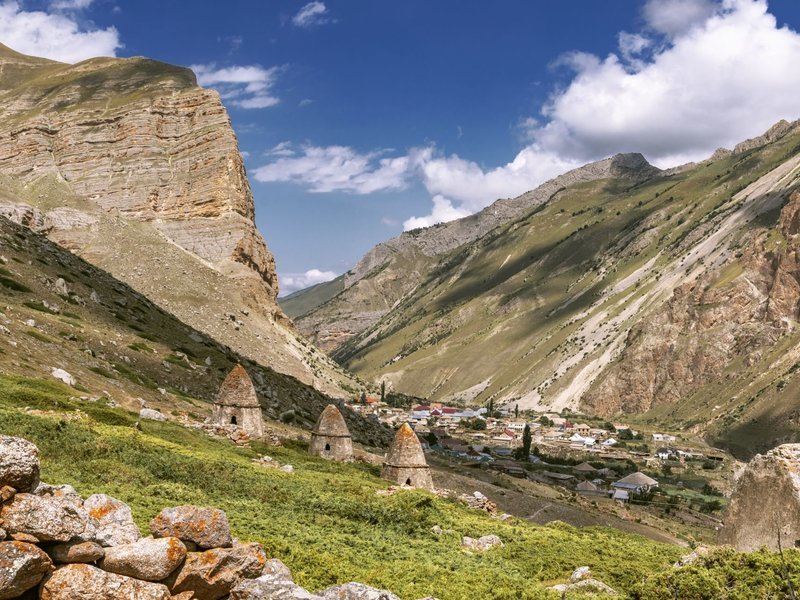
x=233 y=420
x=327 y=447
x=408 y=481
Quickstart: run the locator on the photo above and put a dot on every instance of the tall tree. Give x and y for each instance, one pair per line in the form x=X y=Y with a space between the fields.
x=383 y=391
x=516 y=411
x=526 y=441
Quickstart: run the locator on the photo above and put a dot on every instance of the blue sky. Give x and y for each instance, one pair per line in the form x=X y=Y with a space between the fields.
x=359 y=118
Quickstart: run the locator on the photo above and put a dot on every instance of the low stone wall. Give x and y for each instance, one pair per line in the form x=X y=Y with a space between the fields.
x=56 y=545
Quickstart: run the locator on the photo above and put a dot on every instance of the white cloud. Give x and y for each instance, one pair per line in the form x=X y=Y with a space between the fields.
x=313 y=13
x=443 y=210
x=281 y=149
x=241 y=86
x=291 y=282
x=723 y=80
x=674 y=17
x=701 y=75
x=54 y=36
x=342 y=169
x=71 y=4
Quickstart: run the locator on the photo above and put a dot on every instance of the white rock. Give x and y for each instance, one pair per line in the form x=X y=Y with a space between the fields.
x=287 y=469
x=580 y=573
x=153 y=415
x=63 y=376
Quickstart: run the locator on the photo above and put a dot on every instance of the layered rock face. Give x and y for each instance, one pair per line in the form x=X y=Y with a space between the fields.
x=765 y=505
x=131 y=165
x=705 y=327
x=139 y=137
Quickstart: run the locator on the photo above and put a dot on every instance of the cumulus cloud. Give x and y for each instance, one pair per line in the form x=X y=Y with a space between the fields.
x=674 y=17
x=701 y=74
x=720 y=81
x=71 y=4
x=312 y=14
x=342 y=169
x=241 y=86
x=291 y=282
x=55 y=36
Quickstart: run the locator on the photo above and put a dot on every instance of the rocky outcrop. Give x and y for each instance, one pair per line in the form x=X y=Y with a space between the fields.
x=139 y=137
x=131 y=165
x=764 y=509
x=704 y=327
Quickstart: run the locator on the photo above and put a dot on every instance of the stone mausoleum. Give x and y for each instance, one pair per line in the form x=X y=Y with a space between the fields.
x=330 y=437
x=405 y=462
x=237 y=404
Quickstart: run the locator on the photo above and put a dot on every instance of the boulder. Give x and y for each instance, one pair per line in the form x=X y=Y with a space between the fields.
x=271 y=587
x=580 y=573
x=84 y=582
x=22 y=567
x=585 y=585
x=206 y=527
x=153 y=415
x=482 y=544
x=214 y=573
x=356 y=591
x=63 y=376
x=65 y=492
x=76 y=552
x=19 y=463
x=276 y=568
x=765 y=503
x=149 y=559
x=49 y=519
x=112 y=520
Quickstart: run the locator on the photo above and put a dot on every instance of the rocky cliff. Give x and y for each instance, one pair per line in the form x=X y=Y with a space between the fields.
x=130 y=164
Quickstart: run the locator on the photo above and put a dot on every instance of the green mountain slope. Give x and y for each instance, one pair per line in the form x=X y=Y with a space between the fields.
x=544 y=310
x=59 y=312
x=304 y=301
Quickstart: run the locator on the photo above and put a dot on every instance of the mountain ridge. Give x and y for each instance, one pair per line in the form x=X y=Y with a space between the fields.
x=109 y=155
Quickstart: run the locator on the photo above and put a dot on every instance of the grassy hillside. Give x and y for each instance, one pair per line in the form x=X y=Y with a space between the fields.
x=328 y=525
x=304 y=301
x=324 y=521
x=537 y=309
x=119 y=345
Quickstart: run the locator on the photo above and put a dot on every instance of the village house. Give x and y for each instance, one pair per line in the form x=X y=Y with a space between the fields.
x=581 y=429
x=636 y=483
x=667 y=453
x=663 y=437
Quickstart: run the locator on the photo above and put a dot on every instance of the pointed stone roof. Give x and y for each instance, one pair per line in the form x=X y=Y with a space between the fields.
x=406 y=451
x=238 y=390
x=331 y=423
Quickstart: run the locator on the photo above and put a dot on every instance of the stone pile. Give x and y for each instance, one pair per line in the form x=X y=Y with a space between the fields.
x=55 y=545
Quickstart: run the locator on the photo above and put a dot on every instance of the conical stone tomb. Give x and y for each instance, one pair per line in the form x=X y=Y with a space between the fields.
x=405 y=462
x=330 y=437
x=237 y=404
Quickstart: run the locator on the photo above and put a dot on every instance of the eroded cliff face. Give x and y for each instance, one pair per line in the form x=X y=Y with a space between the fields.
x=131 y=165
x=710 y=325
x=140 y=138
